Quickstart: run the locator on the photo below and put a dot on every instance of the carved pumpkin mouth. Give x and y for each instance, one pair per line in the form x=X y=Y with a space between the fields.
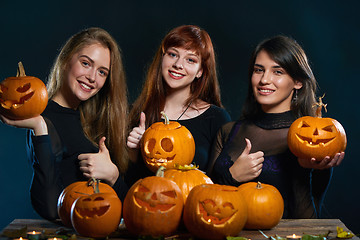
x=154 y=207
x=155 y=161
x=90 y=213
x=314 y=142
x=215 y=218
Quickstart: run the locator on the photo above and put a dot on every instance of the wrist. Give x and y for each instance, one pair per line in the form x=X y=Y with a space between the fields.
x=40 y=127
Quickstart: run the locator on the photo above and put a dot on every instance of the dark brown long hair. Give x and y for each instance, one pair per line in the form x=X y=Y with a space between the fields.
x=105 y=113
x=286 y=52
x=153 y=95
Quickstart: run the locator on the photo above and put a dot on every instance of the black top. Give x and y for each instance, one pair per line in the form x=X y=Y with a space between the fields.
x=55 y=158
x=203 y=128
x=303 y=189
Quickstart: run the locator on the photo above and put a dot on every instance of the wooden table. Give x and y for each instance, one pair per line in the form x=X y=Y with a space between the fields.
x=285 y=228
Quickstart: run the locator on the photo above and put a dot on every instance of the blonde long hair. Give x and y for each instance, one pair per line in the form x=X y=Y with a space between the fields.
x=105 y=113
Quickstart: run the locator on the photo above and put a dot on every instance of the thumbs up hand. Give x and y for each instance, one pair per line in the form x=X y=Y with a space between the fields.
x=99 y=165
x=248 y=165
x=137 y=133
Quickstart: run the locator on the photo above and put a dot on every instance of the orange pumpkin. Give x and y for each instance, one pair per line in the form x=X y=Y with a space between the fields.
x=97 y=215
x=73 y=192
x=153 y=206
x=22 y=97
x=265 y=205
x=186 y=177
x=166 y=144
x=214 y=211
x=316 y=137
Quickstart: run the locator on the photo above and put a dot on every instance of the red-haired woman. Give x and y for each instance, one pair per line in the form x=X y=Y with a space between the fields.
x=182 y=82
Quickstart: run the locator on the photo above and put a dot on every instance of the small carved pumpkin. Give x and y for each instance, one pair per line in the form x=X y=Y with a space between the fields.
x=22 y=97
x=166 y=144
x=97 y=215
x=214 y=211
x=73 y=192
x=316 y=137
x=153 y=206
x=186 y=177
x=265 y=205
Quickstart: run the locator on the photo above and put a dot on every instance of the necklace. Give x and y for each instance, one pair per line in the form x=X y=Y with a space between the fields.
x=184 y=111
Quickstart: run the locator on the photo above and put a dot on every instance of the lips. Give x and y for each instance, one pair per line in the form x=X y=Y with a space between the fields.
x=85 y=86
x=175 y=75
x=265 y=91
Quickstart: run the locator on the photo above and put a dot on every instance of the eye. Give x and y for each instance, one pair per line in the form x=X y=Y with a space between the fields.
x=151 y=144
x=143 y=189
x=24 y=88
x=209 y=201
x=170 y=194
x=166 y=144
x=103 y=73
x=304 y=125
x=171 y=54
x=229 y=205
x=85 y=63
x=258 y=70
x=329 y=128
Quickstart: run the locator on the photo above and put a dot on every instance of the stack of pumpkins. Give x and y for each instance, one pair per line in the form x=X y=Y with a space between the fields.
x=180 y=194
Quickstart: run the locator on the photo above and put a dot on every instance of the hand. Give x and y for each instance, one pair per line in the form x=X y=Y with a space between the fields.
x=99 y=165
x=327 y=162
x=248 y=165
x=37 y=124
x=137 y=133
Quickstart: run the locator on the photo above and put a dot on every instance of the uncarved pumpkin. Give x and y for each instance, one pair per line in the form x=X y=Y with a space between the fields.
x=186 y=177
x=153 y=206
x=166 y=144
x=265 y=205
x=316 y=137
x=22 y=97
x=73 y=192
x=214 y=211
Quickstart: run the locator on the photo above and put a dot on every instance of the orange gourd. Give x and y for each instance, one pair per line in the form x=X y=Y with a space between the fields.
x=214 y=211
x=166 y=144
x=186 y=177
x=22 y=97
x=73 y=192
x=316 y=137
x=153 y=206
x=265 y=205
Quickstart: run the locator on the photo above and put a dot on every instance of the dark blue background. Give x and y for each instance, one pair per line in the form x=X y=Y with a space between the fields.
x=329 y=31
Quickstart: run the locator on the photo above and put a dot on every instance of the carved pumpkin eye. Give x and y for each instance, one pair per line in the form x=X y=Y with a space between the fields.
x=166 y=144
x=151 y=144
x=23 y=88
x=170 y=194
x=329 y=128
x=304 y=124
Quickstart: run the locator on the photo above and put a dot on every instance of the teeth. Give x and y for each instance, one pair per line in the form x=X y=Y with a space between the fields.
x=266 y=91
x=176 y=74
x=85 y=86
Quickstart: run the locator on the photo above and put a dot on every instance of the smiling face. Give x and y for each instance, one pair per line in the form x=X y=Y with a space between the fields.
x=273 y=87
x=180 y=67
x=86 y=74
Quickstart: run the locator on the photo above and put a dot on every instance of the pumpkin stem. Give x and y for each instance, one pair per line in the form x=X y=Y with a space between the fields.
x=165 y=117
x=95 y=184
x=20 y=71
x=258 y=185
x=320 y=104
x=160 y=171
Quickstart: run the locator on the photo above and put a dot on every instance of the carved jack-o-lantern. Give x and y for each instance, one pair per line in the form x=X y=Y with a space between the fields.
x=22 y=96
x=73 y=192
x=166 y=144
x=215 y=211
x=316 y=137
x=97 y=215
x=153 y=206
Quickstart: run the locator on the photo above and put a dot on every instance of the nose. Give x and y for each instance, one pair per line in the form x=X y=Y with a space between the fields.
x=266 y=78
x=178 y=64
x=91 y=76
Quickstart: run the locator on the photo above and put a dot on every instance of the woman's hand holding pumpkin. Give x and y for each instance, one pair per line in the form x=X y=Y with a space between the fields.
x=137 y=133
x=248 y=165
x=327 y=162
x=99 y=165
x=37 y=124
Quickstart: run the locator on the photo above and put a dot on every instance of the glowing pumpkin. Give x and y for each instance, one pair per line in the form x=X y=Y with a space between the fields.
x=73 y=192
x=316 y=137
x=22 y=97
x=153 y=206
x=186 y=177
x=215 y=211
x=97 y=215
x=166 y=144
x=265 y=205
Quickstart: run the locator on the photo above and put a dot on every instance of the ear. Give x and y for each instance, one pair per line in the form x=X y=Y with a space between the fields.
x=199 y=73
x=298 y=85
